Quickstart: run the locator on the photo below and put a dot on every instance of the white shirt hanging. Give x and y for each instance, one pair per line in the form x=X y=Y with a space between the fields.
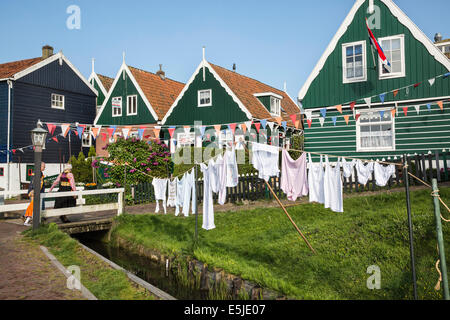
x=188 y=193
x=180 y=194
x=209 y=185
x=265 y=160
x=315 y=180
x=160 y=187
x=333 y=194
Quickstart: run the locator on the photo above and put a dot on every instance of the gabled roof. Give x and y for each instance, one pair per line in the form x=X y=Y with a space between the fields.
x=18 y=69
x=160 y=93
x=8 y=70
x=106 y=81
x=396 y=12
x=243 y=89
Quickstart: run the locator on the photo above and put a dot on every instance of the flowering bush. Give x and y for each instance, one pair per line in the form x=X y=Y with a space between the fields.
x=144 y=160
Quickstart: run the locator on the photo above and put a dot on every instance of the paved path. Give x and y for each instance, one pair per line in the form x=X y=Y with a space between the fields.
x=25 y=271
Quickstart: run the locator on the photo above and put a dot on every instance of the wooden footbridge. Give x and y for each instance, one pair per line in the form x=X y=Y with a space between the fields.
x=83 y=218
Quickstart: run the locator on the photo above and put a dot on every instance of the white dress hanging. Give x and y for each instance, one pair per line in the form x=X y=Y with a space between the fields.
x=333 y=186
x=209 y=185
x=315 y=180
x=172 y=193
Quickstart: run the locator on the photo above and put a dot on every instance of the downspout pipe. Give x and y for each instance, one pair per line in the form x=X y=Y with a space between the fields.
x=8 y=143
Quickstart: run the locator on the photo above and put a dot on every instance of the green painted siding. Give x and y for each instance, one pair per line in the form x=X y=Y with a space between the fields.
x=223 y=109
x=101 y=97
x=265 y=101
x=414 y=133
x=124 y=88
x=328 y=89
x=428 y=131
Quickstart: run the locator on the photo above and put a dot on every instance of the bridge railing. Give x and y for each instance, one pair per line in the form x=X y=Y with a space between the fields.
x=79 y=209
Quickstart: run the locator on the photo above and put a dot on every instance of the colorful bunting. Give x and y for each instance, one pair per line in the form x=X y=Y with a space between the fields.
x=381 y=114
x=103 y=134
x=257 y=126
x=187 y=129
x=110 y=132
x=446 y=75
x=323 y=112
x=368 y=101
x=357 y=115
x=417 y=109
x=94 y=132
x=417 y=84
x=322 y=121
x=429 y=106
x=294 y=117
x=55 y=139
x=395 y=93
x=248 y=124
x=80 y=130
x=347 y=118
x=393 y=111
x=202 y=130
x=141 y=133
x=441 y=105
x=126 y=131
x=217 y=128
x=65 y=129
x=156 y=131
x=278 y=120
x=309 y=122
x=382 y=97
x=352 y=105
x=270 y=124
x=263 y=123
x=339 y=108
x=243 y=127
x=284 y=125
x=334 y=120
x=431 y=81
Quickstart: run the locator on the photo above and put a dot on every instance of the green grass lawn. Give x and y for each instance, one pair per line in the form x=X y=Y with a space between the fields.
x=262 y=245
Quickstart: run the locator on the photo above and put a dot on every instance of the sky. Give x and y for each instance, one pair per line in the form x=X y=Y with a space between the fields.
x=271 y=41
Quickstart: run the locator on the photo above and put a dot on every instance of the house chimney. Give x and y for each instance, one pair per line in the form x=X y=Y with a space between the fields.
x=161 y=73
x=437 y=37
x=47 y=51
x=234 y=67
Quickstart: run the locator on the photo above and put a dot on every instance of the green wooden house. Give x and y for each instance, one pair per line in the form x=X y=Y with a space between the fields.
x=102 y=84
x=215 y=96
x=136 y=99
x=356 y=107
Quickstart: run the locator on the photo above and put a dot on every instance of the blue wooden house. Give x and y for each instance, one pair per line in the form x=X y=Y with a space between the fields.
x=48 y=88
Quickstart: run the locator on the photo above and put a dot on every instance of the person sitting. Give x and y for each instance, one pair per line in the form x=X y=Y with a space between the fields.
x=66 y=183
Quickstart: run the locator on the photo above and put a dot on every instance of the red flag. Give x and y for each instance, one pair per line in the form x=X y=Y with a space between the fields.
x=13 y=151
x=352 y=105
x=110 y=132
x=309 y=122
x=293 y=117
x=395 y=93
x=405 y=110
x=417 y=84
x=51 y=128
x=171 y=131
x=55 y=139
x=233 y=127
x=357 y=116
x=257 y=126
x=103 y=136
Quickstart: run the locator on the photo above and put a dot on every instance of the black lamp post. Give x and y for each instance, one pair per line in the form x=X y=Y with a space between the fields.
x=38 y=136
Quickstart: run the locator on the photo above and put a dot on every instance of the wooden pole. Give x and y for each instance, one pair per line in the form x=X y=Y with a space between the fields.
x=292 y=221
x=440 y=238
x=411 y=238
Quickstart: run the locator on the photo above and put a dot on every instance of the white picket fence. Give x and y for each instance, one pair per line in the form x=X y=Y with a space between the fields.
x=79 y=209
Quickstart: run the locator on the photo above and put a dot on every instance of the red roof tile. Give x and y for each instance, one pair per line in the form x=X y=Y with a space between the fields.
x=245 y=88
x=106 y=81
x=160 y=93
x=9 y=69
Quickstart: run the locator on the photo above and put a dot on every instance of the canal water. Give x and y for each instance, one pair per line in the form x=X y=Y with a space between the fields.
x=153 y=272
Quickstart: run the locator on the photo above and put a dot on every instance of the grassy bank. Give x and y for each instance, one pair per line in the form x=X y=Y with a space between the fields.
x=262 y=246
x=97 y=276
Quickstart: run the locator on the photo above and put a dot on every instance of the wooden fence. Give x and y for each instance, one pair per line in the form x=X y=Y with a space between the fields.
x=250 y=187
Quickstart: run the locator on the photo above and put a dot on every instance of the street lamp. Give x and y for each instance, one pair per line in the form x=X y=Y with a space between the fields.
x=38 y=136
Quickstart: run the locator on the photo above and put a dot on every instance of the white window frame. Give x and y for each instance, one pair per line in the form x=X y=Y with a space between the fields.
x=391 y=75
x=190 y=136
x=358 y=131
x=128 y=105
x=210 y=98
x=56 y=95
x=116 y=108
x=86 y=139
x=344 y=62
x=277 y=102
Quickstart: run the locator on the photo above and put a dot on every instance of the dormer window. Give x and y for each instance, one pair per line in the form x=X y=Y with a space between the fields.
x=205 y=98
x=275 y=106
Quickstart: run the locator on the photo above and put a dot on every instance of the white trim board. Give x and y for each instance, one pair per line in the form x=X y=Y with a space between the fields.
x=402 y=18
x=49 y=60
x=100 y=84
x=205 y=64
x=138 y=88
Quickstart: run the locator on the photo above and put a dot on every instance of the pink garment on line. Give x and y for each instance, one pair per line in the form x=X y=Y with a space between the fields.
x=294 y=179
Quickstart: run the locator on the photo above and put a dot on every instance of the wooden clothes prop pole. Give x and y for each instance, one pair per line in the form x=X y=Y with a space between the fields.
x=285 y=211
